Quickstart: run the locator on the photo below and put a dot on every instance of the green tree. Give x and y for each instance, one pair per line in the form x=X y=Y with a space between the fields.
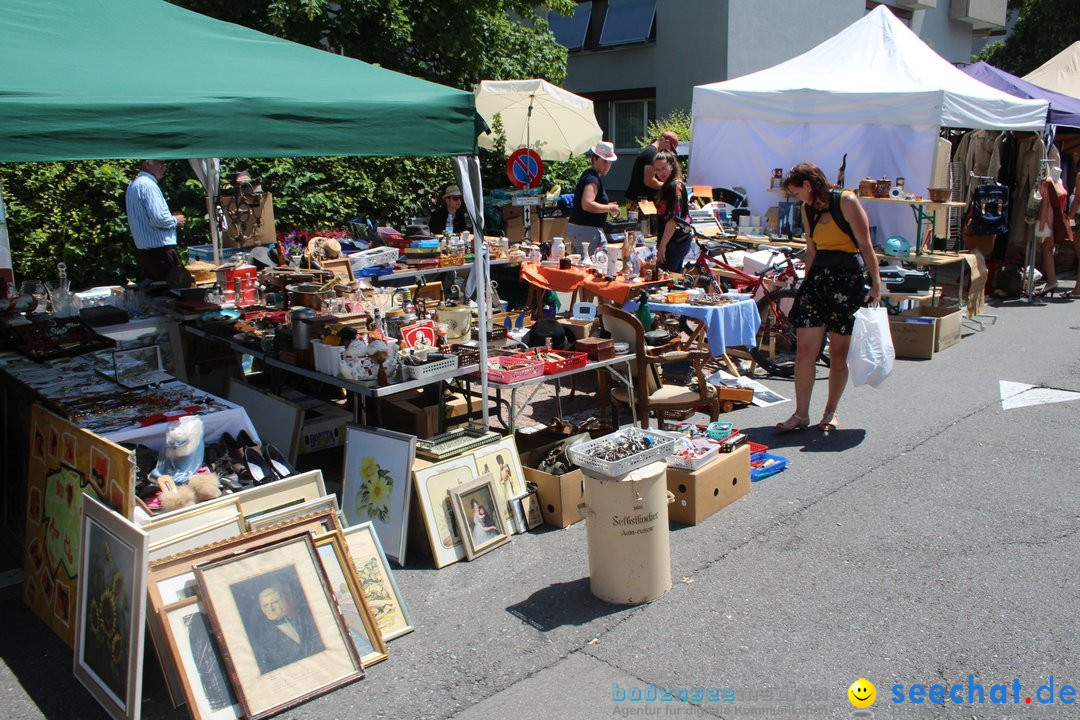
x=75 y=211
x=1043 y=29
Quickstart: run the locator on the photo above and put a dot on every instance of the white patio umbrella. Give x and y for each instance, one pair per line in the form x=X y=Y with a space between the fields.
x=554 y=122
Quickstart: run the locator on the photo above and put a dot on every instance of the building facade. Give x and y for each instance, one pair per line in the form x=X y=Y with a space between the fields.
x=640 y=59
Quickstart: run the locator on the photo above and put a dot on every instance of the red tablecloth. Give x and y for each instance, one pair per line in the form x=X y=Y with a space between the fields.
x=550 y=277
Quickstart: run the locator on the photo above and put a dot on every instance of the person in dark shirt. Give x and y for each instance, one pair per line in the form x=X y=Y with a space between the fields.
x=643 y=182
x=452 y=205
x=591 y=204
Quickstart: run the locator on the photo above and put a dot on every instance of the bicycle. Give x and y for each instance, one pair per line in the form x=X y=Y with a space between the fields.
x=776 y=338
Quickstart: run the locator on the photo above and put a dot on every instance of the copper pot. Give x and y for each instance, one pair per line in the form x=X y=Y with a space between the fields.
x=309 y=295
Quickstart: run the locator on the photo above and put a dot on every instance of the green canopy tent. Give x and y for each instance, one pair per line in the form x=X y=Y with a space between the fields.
x=92 y=79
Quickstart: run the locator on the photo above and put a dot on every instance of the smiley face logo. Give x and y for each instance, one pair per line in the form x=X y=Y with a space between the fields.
x=862 y=693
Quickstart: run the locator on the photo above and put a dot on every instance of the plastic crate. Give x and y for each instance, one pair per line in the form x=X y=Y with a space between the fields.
x=583 y=454
x=374 y=256
x=328 y=357
x=762 y=473
x=572 y=360
x=709 y=452
x=467 y=354
x=430 y=369
x=498 y=372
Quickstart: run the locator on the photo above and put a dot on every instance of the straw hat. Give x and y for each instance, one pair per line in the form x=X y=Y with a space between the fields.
x=604 y=151
x=452 y=191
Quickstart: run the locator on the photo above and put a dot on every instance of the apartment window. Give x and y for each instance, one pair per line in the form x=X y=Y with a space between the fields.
x=627 y=21
x=570 y=31
x=629 y=119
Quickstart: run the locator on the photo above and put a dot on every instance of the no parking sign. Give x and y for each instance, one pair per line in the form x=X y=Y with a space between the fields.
x=524 y=168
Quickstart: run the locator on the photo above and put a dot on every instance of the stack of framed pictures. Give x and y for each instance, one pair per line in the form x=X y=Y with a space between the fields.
x=453 y=497
x=292 y=607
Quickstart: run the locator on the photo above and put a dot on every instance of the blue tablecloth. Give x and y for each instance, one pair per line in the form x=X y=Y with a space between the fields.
x=731 y=325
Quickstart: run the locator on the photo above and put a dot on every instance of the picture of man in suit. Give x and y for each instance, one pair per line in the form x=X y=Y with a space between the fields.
x=280 y=635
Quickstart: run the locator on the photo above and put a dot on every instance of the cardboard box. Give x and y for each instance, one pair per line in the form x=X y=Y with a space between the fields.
x=552 y=228
x=559 y=495
x=701 y=493
x=580 y=329
x=947 y=333
x=417 y=413
x=323 y=425
x=913 y=339
x=256 y=212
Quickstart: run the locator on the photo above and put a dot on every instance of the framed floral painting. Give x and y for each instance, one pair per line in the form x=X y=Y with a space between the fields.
x=378 y=484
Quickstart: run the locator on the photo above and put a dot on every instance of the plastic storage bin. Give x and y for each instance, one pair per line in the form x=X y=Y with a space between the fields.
x=760 y=473
x=583 y=454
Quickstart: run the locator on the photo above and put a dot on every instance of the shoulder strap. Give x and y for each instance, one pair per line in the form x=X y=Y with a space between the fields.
x=838 y=214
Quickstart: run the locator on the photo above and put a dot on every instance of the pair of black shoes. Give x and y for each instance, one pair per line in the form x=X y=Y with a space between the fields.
x=266 y=466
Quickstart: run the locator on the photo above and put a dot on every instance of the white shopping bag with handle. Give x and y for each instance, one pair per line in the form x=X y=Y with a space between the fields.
x=870 y=356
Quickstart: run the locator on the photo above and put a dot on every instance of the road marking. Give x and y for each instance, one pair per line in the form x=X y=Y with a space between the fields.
x=1017 y=395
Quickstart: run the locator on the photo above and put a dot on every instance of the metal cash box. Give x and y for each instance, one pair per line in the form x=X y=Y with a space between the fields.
x=897 y=279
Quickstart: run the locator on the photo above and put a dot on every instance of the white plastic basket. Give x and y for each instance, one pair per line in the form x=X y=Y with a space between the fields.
x=328 y=357
x=582 y=454
x=710 y=451
x=373 y=257
x=431 y=369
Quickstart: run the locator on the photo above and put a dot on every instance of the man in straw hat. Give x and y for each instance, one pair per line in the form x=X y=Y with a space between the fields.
x=453 y=206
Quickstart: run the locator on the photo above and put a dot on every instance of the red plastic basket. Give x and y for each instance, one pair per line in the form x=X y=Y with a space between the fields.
x=571 y=360
x=498 y=372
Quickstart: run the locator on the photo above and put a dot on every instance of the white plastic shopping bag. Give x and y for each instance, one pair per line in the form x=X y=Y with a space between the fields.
x=871 y=354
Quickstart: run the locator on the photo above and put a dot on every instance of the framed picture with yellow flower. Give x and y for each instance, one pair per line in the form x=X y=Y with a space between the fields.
x=111 y=609
x=378 y=484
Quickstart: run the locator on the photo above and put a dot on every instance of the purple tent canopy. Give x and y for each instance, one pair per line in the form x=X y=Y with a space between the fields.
x=1064 y=110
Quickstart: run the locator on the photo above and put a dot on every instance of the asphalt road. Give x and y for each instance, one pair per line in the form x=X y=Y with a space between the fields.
x=931 y=540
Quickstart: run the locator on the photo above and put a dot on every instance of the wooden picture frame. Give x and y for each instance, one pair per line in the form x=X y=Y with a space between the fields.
x=530 y=508
x=486 y=529
x=504 y=463
x=286 y=492
x=380 y=589
x=206 y=535
x=202 y=673
x=110 y=608
x=341 y=267
x=350 y=599
x=326 y=503
x=275 y=666
x=182 y=523
x=433 y=484
x=378 y=483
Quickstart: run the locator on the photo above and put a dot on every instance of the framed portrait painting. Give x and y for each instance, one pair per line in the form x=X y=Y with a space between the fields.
x=482 y=529
x=111 y=608
x=433 y=484
x=380 y=589
x=278 y=627
x=378 y=484
x=504 y=463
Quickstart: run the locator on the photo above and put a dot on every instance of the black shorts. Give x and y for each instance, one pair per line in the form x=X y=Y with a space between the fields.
x=829 y=297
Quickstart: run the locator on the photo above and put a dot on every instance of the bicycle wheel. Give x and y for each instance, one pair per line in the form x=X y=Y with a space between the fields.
x=776 y=339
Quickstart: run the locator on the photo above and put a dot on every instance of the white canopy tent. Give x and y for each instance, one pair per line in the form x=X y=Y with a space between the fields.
x=874 y=91
x=1060 y=73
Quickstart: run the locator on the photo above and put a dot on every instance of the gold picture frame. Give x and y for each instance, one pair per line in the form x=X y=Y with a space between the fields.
x=351 y=601
x=482 y=529
x=279 y=630
x=380 y=589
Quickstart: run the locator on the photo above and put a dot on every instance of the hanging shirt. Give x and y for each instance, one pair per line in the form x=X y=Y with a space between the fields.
x=151 y=223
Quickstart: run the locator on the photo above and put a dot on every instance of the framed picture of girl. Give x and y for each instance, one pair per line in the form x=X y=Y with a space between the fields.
x=482 y=529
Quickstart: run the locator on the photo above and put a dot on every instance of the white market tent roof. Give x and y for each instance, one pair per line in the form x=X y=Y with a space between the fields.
x=1060 y=73
x=874 y=71
x=874 y=92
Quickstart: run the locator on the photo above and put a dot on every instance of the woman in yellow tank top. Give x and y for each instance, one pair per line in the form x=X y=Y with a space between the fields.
x=833 y=290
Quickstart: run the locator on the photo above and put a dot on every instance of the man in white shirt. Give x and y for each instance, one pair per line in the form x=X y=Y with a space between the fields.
x=152 y=226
